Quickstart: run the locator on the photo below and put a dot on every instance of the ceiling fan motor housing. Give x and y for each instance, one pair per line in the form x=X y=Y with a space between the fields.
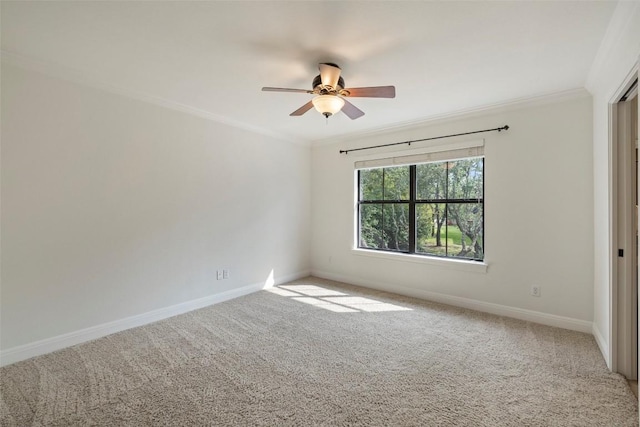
x=323 y=90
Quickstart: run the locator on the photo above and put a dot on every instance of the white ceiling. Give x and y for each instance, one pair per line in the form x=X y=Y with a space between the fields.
x=214 y=57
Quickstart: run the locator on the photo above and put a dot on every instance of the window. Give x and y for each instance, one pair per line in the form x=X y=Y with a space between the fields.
x=431 y=209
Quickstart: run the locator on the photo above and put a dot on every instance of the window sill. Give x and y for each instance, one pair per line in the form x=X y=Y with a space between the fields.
x=454 y=264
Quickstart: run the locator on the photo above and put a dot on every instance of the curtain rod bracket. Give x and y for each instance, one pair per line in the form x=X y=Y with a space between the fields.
x=500 y=129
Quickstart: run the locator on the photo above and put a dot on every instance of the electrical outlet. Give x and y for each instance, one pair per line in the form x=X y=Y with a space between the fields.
x=219 y=275
x=535 y=291
x=225 y=273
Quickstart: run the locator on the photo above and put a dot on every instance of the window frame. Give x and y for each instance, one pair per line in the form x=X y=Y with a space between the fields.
x=412 y=203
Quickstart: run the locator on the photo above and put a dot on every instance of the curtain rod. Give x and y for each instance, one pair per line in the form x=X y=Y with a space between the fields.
x=505 y=127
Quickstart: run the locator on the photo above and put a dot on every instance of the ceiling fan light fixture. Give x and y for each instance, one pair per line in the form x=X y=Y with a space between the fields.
x=328 y=105
x=330 y=93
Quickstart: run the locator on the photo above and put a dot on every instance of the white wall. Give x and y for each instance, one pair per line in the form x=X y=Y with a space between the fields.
x=538 y=216
x=618 y=55
x=113 y=207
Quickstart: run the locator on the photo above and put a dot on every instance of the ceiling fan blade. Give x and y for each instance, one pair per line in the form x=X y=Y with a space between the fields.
x=373 y=92
x=284 y=89
x=329 y=74
x=351 y=110
x=300 y=111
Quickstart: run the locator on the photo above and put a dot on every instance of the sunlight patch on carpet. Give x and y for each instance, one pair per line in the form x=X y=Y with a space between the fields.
x=332 y=300
x=282 y=292
x=312 y=290
x=365 y=304
x=325 y=304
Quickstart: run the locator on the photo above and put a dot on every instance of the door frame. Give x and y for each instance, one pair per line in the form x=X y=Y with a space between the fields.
x=622 y=270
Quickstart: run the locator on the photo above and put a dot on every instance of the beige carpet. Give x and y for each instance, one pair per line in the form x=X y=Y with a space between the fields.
x=316 y=352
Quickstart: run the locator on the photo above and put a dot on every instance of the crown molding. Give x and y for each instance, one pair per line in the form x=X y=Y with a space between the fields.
x=622 y=17
x=515 y=104
x=75 y=76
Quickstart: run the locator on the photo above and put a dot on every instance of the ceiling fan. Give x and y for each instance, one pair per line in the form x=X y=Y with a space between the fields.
x=330 y=93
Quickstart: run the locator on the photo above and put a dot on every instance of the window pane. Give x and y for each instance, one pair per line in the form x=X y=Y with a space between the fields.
x=396 y=183
x=431 y=229
x=371 y=226
x=371 y=184
x=465 y=230
x=396 y=226
x=448 y=209
x=431 y=181
x=465 y=179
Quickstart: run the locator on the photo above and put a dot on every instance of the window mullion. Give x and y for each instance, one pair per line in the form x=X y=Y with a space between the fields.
x=382 y=234
x=359 y=213
x=446 y=210
x=483 y=230
x=412 y=209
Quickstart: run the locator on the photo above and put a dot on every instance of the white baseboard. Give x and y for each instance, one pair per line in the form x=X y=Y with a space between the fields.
x=486 y=307
x=48 y=345
x=603 y=345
